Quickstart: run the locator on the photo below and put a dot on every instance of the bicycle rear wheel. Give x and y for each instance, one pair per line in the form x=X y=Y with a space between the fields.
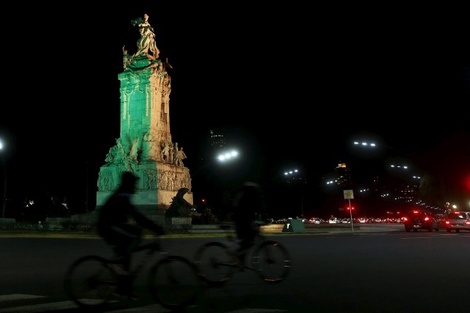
x=173 y=282
x=90 y=281
x=272 y=262
x=214 y=263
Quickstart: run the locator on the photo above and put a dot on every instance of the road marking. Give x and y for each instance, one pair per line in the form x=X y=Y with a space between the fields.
x=67 y=305
x=18 y=296
x=38 y=308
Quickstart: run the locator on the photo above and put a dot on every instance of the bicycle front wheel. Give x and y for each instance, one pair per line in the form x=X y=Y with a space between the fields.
x=272 y=262
x=90 y=281
x=173 y=282
x=215 y=264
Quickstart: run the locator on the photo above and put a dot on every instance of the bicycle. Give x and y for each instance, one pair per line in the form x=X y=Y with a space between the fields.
x=217 y=262
x=172 y=281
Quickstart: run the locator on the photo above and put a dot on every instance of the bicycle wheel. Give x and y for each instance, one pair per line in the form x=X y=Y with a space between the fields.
x=90 y=282
x=173 y=282
x=214 y=263
x=272 y=262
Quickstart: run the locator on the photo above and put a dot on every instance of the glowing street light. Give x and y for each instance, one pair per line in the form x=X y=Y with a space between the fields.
x=364 y=144
x=405 y=167
x=291 y=172
x=226 y=156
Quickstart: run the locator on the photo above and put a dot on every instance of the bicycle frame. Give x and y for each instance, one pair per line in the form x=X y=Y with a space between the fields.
x=172 y=280
x=231 y=237
x=150 y=249
x=267 y=258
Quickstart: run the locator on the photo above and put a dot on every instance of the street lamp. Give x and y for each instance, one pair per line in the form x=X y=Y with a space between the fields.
x=364 y=144
x=294 y=176
x=4 y=205
x=228 y=155
x=405 y=167
x=218 y=177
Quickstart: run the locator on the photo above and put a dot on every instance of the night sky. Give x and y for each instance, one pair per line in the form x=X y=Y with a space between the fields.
x=299 y=80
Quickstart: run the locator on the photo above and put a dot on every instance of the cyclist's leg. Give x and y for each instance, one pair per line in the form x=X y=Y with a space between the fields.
x=125 y=278
x=124 y=240
x=246 y=238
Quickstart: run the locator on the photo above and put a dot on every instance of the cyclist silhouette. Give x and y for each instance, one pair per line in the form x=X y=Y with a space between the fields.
x=247 y=204
x=116 y=228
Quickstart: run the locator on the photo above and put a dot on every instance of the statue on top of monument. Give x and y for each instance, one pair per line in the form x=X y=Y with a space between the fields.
x=146 y=44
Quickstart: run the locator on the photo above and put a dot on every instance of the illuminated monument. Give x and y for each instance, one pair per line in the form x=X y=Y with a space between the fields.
x=145 y=146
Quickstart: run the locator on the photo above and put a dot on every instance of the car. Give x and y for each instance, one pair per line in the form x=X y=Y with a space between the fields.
x=333 y=220
x=362 y=220
x=457 y=221
x=315 y=220
x=420 y=219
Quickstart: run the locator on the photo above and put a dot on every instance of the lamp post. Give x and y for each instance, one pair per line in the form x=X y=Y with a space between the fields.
x=211 y=169
x=4 y=205
x=294 y=176
x=225 y=159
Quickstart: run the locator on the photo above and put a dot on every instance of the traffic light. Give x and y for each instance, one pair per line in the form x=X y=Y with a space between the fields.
x=349 y=208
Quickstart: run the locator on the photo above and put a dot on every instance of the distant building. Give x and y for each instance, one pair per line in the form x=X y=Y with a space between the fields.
x=217 y=139
x=342 y=175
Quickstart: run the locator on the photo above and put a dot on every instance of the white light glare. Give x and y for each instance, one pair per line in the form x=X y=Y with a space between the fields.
x=399 y=166
x=227 y=155
x=291 y=172
x=364 y=143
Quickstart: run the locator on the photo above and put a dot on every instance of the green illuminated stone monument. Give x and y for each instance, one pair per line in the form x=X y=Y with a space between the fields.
x=145 y=146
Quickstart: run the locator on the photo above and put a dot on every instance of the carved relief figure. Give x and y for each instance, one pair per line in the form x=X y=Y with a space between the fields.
x=151 y=179
x=165 y=152
x=125 y=58
x=134 y=153
x=149 y=147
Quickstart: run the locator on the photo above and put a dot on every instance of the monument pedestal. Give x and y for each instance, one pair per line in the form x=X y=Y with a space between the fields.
x=158 y=184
